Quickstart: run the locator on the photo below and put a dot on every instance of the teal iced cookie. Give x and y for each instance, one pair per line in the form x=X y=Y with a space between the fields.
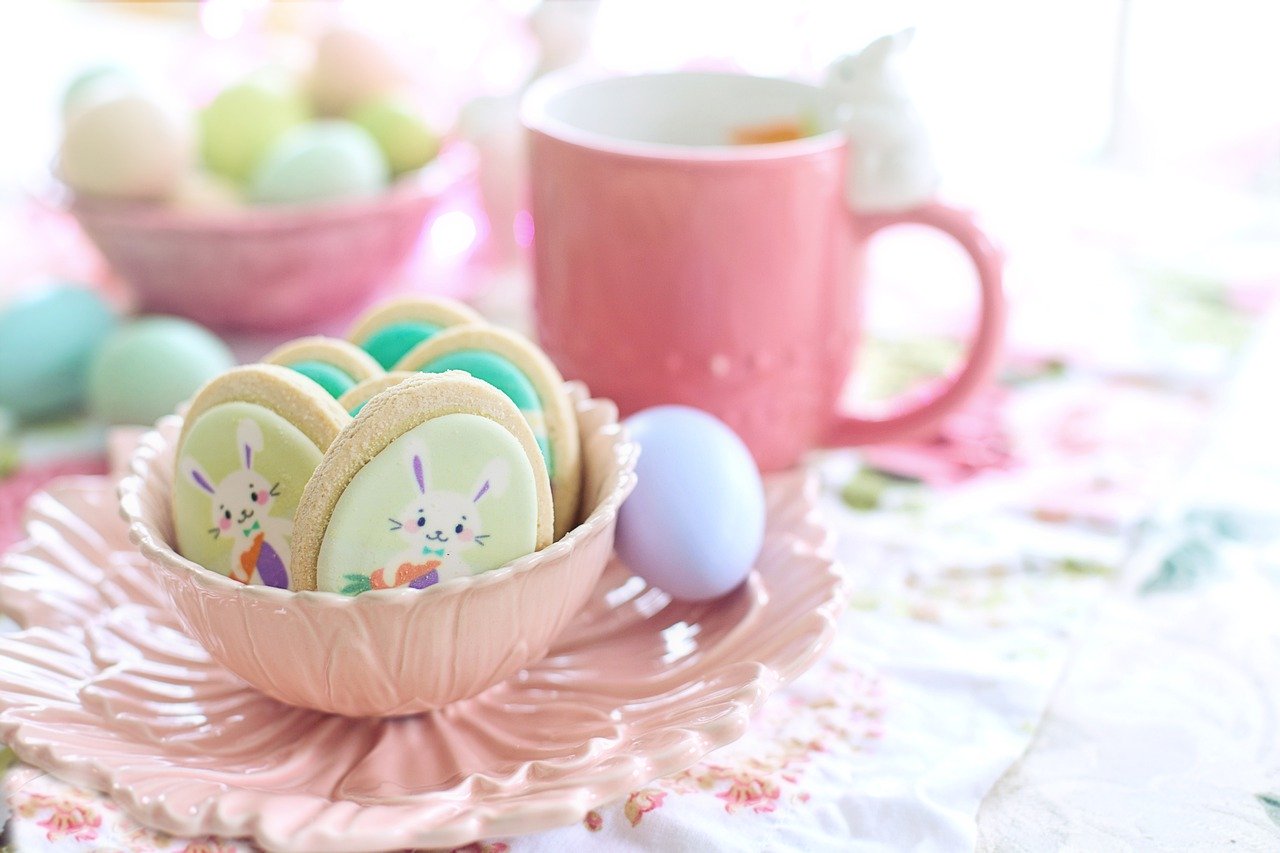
x=335 y=365
x=389 y=330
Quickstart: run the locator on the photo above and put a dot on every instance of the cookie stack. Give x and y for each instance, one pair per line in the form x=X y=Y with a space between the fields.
x=427 y=446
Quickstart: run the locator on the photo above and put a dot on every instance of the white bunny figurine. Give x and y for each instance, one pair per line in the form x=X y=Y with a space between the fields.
x=891 y=164
x=562 y=29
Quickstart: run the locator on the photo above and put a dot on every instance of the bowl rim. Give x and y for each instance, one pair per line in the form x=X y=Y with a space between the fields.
x=456 y=163
x=619 y=482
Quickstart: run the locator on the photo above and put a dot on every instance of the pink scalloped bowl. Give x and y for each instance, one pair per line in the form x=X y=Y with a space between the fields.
x=387 y=652
x=266 y=268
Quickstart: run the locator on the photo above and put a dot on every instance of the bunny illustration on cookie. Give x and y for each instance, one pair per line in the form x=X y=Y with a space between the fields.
x=522 y=372
x=241 y=503
x=250 y=442
x=891 y=160
x=439 y=527
x=439 y=477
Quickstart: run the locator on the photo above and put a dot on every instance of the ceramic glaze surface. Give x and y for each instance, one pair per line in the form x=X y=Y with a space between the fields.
x=672 y=267
x=109 y=692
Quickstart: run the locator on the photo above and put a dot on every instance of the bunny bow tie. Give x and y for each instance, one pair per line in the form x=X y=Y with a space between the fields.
x=428 y=551
x=249 y=532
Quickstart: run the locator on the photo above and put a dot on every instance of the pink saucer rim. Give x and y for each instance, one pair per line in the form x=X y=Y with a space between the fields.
x=151 y=542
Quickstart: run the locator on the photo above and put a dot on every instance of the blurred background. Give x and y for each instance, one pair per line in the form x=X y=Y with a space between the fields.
x=1127 y=154
x=1154 y=124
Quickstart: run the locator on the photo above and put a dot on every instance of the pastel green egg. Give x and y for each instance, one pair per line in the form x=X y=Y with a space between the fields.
x=241 y=125
x=320 y=161
x=47 y=340
x=400 y=132
x=146 y=368
x=10 y=455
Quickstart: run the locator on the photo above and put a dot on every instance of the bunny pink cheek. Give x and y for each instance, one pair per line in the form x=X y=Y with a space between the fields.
x=264 y=498
x=224 y=524
x=466 y=536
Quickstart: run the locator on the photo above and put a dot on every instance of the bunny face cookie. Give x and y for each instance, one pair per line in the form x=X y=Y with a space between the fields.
x=527 y=377
x=251 y=439
x=389 y=331
x=439 y=477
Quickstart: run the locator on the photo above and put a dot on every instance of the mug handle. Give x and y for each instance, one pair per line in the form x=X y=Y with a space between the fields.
x=984 y=349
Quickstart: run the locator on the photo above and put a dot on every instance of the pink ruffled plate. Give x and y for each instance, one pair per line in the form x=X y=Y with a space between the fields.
x=103 y=689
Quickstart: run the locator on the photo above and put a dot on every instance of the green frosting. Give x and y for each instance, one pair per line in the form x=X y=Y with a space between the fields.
x=213 y=457
x=507 y=378
x=333 y=380
x=473 y=474
x=393 y=341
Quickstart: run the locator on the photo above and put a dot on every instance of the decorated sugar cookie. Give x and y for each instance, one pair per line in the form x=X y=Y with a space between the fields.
x=438 y=477
x=335 y=365
x=524 y=374
x=354 y=399
x=389 y=330
x=250 y=441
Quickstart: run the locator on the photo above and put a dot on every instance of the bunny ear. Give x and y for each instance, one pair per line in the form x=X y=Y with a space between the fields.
x=493 y=480
x=248 y=440
x=192 y=469
x=420 y=474
x=879 y=52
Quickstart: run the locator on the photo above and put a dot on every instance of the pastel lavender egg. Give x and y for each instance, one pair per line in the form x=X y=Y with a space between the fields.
x=694 y=524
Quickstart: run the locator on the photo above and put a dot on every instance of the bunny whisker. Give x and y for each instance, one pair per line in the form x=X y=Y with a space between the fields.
x=275 y=490
x=214 y=531
x=395 y=525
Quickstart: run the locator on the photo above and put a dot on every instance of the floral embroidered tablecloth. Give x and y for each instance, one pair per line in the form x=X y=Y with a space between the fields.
x=1069 y=521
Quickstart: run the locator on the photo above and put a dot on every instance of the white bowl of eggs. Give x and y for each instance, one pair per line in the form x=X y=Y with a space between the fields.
x=284 y=200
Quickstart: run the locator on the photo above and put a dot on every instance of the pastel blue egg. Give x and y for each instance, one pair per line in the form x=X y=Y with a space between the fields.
x=694 y=524
x=47 y=340
x=320 y=161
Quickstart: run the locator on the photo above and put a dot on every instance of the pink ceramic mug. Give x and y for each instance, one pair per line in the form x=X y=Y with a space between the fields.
x=675 y=268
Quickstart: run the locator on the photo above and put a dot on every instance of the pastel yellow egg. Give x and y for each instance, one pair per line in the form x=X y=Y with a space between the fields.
x=240 y=125
x=350 y=68
x=400 y=132
x=130 y=146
